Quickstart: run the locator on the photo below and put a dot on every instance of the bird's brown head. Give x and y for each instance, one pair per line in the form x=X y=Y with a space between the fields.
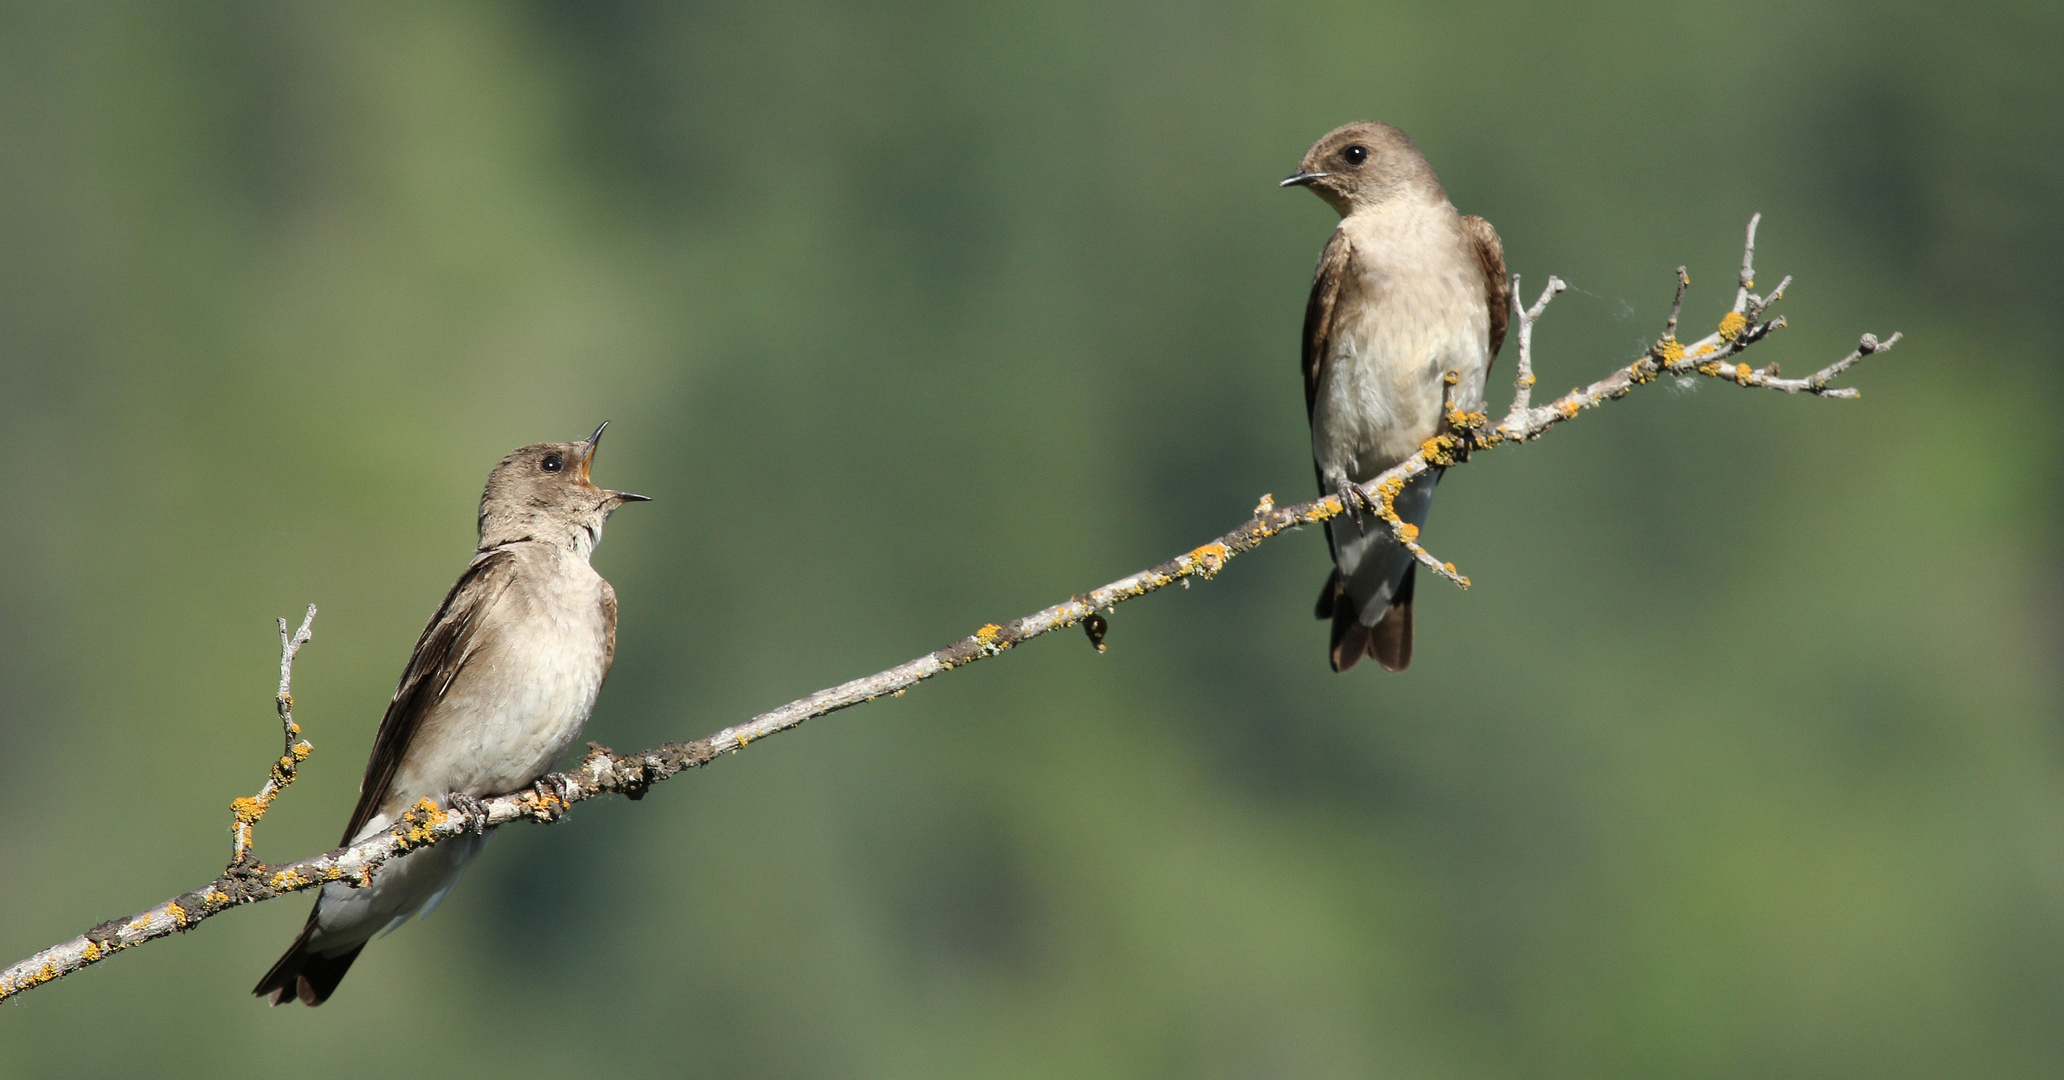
x=542 y=492
x=1365 y=164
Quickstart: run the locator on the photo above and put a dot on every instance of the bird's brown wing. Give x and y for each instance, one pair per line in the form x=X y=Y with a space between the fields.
x=609 y=628
x=1318 y=312
x=1490 y=254
x=447 y=643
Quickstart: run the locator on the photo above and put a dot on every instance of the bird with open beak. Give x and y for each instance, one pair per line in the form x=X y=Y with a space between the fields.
x=501 y=682
x=1406 y=291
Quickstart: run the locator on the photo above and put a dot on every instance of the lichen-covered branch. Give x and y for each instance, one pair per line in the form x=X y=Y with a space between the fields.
x=606 y=772
x=249 y=810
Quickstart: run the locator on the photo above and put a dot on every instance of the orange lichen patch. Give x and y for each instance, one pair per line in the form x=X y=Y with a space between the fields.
x=1408 y=530
x=178 y=913
x=92 y=952
x=1743 y=375
x=1709 y=369
x=1568 y=407
x=1527 y=380
x=421 y=822
x=247 y=809
x=302 y=750
x=1668 y=350
x=987 y=634
x=1731 y=326
x=287 y=880
x=1211 y=557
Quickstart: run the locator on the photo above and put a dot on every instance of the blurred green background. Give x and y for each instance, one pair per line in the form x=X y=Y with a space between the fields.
x=1741 y=759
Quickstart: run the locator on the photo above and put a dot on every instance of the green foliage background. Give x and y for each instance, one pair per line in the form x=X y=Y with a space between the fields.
x=1741 y=759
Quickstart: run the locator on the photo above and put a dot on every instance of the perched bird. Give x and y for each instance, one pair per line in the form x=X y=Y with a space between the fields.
x=499 y=686
x=1406 y=291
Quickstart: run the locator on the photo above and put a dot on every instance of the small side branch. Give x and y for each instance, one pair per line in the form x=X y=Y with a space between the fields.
x=606 y=772
x=249 y=810
x=1523 y=381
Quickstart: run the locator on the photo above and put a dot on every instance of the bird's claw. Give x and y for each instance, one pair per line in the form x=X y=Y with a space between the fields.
x=471 y=808
x=1351 y=502
x=551 y=788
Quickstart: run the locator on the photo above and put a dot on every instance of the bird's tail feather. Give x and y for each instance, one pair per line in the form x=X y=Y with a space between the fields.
x=1389 y=641
x=304 y=974
x=1350 y=639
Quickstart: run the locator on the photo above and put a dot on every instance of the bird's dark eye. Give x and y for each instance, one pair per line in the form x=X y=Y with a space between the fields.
x=552 y=463
x=1356 y=154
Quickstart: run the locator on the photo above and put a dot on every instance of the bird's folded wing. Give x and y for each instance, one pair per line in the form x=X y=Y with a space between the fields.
x=608 y=629
x=1490 y=254
x=447 y=643
x=1318 y=312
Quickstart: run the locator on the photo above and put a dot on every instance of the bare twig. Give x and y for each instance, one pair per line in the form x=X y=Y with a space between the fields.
x=1677 y=305
x=605 y=772
x=1523 y=380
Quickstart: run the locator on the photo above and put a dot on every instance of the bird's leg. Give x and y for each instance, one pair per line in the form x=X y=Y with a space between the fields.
x=1351 y=500
x=475 y=812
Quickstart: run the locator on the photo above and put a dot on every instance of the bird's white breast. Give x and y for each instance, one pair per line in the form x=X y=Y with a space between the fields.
x=1411 y=308
x=523 y=696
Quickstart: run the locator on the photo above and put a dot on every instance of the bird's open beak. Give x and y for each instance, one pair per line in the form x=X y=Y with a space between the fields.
x=588 y=459
x=594 y=441
x=1296 y=179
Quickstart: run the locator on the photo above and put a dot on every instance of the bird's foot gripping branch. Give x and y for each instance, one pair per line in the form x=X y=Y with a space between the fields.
x=605 y=772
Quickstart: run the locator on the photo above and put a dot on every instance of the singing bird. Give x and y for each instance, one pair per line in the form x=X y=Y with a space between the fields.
x=500 y=684
x=1407 y=290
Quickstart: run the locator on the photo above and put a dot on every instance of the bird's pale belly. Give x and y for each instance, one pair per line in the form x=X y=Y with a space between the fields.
x=531 y=720
x=1373 y=410
x=498 y=729
x=1371 y=415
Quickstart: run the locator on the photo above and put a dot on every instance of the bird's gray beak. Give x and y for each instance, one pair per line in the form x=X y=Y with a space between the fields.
x=1296 y=179
x=625 y=496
